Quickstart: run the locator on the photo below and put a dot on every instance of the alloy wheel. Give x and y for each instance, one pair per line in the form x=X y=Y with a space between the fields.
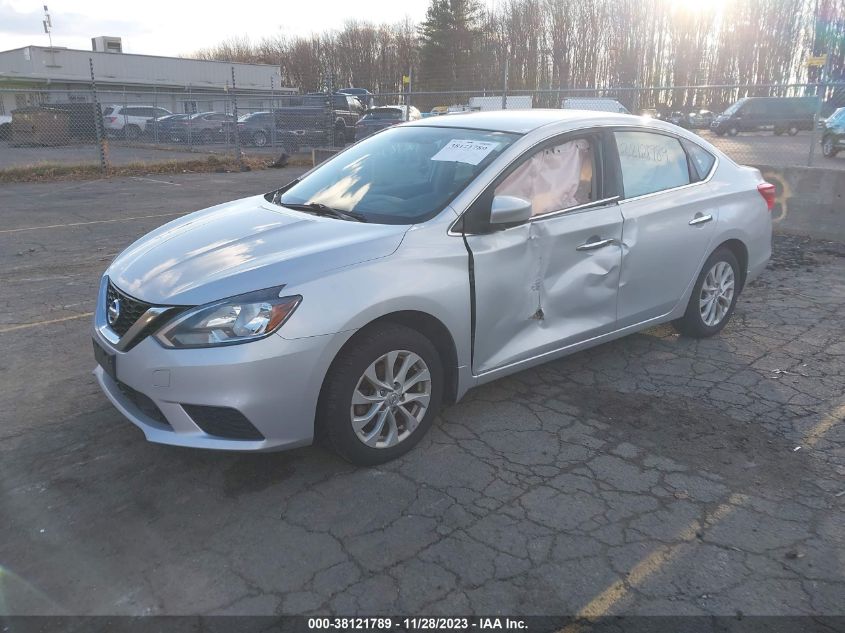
x=717 y=293
x=390 y=399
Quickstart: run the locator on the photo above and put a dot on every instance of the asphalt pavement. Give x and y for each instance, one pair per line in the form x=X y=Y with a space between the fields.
x=651 y=475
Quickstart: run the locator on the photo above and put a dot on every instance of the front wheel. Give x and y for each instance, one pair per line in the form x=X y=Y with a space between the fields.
x=733 y=130
x=829 y=148
x=713 y=297
x=792 y=130
x=380 y=395
x=259 y=139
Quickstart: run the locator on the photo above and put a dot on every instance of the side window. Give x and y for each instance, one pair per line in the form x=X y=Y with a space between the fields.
x=554 y=178
x=651 y=162
x=702 y=160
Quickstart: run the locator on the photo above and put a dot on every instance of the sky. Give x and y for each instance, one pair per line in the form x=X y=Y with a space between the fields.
x=179 y=27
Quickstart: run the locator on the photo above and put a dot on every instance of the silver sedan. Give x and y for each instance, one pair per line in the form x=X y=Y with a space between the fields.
x=432 y=257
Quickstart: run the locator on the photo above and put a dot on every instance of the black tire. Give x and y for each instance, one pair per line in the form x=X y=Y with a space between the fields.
x=334 y=426
x=692 y=324
x=829 y=147
x=733 y=130
x=792 y=130
x=131 y=132
x=340 y=135
x=259 y=139
x=719 y=132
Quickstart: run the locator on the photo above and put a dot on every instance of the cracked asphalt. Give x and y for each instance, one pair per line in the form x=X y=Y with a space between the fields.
x=651 y=475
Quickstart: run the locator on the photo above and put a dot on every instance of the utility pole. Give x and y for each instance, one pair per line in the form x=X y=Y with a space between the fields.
x=48 y=29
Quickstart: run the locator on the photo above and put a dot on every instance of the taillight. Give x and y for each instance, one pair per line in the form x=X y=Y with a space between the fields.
x=111 y=119
x=768 y=191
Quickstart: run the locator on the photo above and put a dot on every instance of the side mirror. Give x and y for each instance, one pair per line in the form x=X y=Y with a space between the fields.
x=510 y=210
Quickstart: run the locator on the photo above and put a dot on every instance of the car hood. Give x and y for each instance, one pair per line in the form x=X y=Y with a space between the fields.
x=241 y=246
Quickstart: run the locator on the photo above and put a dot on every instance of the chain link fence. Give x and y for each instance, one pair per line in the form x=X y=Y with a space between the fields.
x=774 y=125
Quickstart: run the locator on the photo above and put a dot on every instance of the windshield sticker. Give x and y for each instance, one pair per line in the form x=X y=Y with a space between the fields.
x=462 y=151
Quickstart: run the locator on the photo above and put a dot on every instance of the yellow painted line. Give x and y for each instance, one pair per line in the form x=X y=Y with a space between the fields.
x=64 y=226
x=602 y=603
x=826 y=423
x=23 y=326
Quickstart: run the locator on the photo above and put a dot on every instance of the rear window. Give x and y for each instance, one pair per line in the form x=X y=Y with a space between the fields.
x=651 y=162
x=384 y=114
x=108 y=110
x=702 y=160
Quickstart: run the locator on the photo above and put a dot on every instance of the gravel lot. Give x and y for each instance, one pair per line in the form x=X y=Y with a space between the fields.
x=651 y=475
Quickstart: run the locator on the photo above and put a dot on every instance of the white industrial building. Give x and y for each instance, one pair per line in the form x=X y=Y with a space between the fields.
x=35 y=75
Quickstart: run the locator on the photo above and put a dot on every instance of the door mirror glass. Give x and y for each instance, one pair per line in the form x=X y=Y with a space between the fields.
x=510 y=210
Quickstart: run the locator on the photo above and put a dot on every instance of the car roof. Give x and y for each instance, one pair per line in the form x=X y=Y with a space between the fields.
x=524 y=121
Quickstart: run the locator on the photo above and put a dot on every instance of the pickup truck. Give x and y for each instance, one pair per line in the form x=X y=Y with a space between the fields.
x=305 y=121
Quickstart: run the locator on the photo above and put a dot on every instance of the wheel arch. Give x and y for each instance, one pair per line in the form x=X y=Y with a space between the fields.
x=429 y=326
x=740 y=251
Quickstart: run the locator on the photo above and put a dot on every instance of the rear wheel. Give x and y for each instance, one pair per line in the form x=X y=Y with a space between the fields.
x=792 y=130
x=131 y=132
x=380 y=395
x=713 y=297
x=340 y=135
x=829 y=147
x=733 y=130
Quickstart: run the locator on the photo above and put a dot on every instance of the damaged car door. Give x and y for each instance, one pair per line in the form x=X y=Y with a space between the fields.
x=551 y=281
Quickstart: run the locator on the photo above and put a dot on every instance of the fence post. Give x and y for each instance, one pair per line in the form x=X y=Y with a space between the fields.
x=505 y=81
x=273 y=112
x=821 y=91
x=330 y=109
x=98 y=120
x=238 y=155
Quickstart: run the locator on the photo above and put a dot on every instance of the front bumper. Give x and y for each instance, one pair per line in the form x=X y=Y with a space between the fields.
x=273 y=382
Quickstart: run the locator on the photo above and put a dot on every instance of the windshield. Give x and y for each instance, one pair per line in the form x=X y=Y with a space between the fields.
x=384 y=113
x=733 y=109
x=401 y=176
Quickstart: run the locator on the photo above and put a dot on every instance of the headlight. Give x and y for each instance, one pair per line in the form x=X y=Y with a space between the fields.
x=240 y=319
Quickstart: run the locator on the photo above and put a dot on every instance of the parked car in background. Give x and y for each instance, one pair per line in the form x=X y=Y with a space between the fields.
x=512 y=102
x=364 y=96
x=5 y=127
x=701 y=119
x=382 y=117
x=158 y=129
x=256 y=128
x=350 y=303
x=681 y=119
x=130 y=121
x=780 y=114
x=650 y=113
x=833 y=134
x=202 y=127
x=598 y=104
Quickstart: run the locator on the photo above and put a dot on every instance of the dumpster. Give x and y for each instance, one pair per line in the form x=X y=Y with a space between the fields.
x=40 y=125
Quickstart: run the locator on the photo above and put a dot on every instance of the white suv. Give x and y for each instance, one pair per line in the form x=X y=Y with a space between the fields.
x=130 y=121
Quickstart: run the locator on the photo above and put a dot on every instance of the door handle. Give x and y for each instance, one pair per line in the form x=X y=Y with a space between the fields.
x=589 y=246
x=700 y=219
